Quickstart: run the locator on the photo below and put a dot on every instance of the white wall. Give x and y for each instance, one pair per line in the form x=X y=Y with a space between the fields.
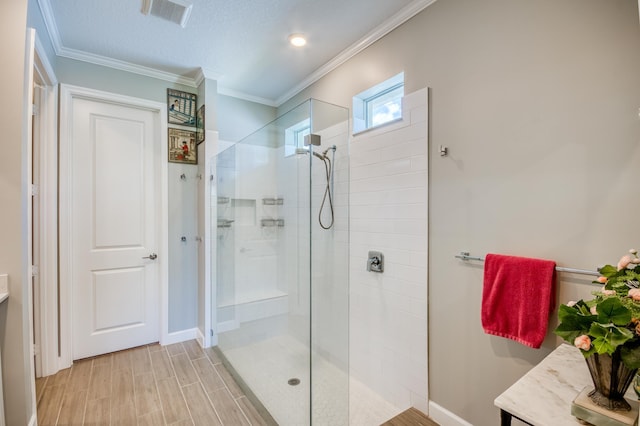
x=255 y=245
x=538 y=104
x=388 y=321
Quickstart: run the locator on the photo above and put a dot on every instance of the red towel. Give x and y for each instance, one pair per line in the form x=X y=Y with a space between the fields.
x=517 y=297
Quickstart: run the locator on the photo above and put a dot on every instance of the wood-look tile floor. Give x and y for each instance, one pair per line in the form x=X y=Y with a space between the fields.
x=410 y=417
x=154 y=385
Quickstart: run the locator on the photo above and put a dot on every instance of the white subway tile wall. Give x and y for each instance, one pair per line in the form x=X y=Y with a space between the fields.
x=388 y=311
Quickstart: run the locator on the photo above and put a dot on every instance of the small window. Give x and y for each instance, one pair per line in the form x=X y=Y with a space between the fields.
x=294 y=136
x=378 y=105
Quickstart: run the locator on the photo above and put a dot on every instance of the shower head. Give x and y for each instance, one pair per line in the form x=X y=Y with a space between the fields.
x=323 y=156
x=331 y=148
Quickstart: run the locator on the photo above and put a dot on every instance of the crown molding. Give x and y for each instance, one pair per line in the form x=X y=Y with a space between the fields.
x=50 y=23
x=376 y=34
x=241 y=95
x=65 y=52
x=204 y=73
x=126 y=66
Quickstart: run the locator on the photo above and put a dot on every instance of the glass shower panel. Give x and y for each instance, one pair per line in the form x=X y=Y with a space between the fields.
x=329 y=204
x=281 y=278
x=225 y=172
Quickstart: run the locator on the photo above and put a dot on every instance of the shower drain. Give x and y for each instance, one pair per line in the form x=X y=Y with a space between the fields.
x=294 y=382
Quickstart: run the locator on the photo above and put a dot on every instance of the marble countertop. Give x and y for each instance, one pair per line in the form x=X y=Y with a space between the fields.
x=543 y=396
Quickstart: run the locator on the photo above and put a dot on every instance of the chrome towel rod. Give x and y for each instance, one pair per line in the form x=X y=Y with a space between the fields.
x=465 y=256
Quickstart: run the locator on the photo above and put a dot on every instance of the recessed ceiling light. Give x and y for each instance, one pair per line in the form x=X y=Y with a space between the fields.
x=297 y=40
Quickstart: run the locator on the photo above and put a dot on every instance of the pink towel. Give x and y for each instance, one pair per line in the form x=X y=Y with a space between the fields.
x=517 y=297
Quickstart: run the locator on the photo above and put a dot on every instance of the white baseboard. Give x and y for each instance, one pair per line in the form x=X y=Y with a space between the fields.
x=213 y=340
x=180 y=336
x=200 y=338
x=444 y=417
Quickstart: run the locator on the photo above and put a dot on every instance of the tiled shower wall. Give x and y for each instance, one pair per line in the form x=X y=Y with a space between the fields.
x=388 y=319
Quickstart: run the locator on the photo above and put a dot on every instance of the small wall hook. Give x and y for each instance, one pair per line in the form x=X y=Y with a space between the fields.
x=183 y=177
x=443 y=151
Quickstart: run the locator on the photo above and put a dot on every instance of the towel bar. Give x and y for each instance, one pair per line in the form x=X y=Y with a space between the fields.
x=465 y=256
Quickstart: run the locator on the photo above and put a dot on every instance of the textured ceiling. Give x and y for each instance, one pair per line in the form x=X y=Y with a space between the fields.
x=241 y=43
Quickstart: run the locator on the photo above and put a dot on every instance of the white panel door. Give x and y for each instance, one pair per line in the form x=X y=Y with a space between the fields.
x=114 y=190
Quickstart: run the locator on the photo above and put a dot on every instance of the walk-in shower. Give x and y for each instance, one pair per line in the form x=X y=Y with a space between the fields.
x=281 y=264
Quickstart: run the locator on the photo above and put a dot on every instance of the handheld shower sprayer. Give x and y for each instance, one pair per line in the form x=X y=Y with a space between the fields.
x=327 y=190
x=323 y=156
x=310 y=141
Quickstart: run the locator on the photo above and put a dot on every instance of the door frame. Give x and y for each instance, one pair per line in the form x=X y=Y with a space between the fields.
x=67 y=95
x=46 y=119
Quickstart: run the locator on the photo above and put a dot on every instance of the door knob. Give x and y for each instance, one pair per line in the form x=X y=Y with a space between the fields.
x=152 y=256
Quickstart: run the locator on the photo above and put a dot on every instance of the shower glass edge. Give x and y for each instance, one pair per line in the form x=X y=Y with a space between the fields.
x=281 y=281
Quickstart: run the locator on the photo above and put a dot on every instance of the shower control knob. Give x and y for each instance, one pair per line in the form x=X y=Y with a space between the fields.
x=375 y=262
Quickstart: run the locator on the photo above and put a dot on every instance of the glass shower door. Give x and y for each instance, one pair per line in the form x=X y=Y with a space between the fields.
x=281 y=280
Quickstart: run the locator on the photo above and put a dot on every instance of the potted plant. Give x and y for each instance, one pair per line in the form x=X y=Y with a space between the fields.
x=606 y=329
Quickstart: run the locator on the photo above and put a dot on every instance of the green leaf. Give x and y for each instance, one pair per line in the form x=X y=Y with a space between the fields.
x=574 y=321
x=608 y=271
x=568 y=331
x=610 y=310
x=630 y=354
x=607 y=337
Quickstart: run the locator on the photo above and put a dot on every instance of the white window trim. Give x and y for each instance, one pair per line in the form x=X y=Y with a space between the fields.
x=362 y=99
x=291 y=140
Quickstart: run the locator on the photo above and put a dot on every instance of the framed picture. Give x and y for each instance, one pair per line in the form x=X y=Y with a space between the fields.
x=182 y=146
x=181 y=108
x=200 y=125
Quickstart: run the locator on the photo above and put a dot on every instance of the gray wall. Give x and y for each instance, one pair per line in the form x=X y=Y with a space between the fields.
x=14 y=313
x=238 y=118
x=36 y=21
x=538 y=104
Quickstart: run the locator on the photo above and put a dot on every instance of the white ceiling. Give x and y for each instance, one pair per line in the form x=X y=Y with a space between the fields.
x=241 y=43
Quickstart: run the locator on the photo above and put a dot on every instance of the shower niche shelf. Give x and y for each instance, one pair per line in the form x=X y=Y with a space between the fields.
x=272 y=201
x=265 y=223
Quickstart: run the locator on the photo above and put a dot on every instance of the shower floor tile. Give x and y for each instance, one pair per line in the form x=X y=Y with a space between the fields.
x=268 y=365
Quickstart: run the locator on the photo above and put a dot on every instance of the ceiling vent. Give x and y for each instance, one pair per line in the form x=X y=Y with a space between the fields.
x=177 y=11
